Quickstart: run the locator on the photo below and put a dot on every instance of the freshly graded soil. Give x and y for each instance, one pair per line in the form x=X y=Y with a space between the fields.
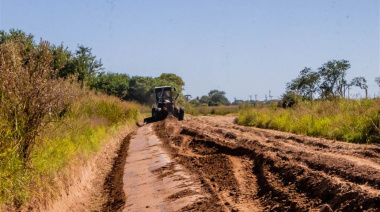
x=248 y=169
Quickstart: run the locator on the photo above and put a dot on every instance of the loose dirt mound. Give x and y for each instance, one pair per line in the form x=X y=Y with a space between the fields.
x=247 y=169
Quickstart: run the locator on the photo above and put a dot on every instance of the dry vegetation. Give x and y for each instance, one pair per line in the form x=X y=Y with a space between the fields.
x=47 y=122
x=345 y=119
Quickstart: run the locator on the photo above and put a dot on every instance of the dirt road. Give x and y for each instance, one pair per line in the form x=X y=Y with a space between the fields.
x=152 y=181
x=212 y=164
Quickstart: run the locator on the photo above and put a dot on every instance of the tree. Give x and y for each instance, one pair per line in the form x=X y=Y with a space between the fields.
x=111 y=83
x=377 y=80
x=84 y=64
x=360 y=82
x=141 y=90
x=170 y=80
x=31 y=94
x=204 y=99
x=62 y=56
x=216 y=97
x=306 y=84
x=333 y=74
x=15 y=34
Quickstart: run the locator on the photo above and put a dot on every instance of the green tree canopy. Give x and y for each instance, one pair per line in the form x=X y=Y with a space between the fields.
x=306 y=84
x=141 y=90
x=333 y=75
x=112 y=84
x=170 y=80
x=82 y=63
x=360 y=82
x=216 y=97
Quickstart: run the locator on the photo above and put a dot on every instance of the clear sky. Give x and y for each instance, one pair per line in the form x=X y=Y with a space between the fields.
x=241 y=47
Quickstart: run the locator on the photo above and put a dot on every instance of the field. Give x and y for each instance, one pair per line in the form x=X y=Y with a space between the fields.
x=349 y=120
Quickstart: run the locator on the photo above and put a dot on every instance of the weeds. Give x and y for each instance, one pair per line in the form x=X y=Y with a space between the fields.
x=47 y=122
x=348 y=120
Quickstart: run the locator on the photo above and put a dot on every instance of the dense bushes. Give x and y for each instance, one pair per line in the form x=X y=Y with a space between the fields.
x=349 y=120
x=47 y=121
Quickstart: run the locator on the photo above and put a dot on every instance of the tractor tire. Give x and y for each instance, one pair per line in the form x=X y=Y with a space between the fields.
x=153 y=111
x=181 y=114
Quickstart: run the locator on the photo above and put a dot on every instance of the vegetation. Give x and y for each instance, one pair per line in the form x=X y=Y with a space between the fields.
x=332 y=115
x=329 y=82
x=141 y=89
x=214 y=98
x=345 y=119
x=48 y=118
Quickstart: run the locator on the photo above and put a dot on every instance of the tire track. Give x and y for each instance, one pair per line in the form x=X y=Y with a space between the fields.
x=288 y=172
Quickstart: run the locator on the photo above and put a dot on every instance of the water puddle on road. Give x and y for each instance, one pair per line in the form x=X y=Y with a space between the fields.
x=154 y=182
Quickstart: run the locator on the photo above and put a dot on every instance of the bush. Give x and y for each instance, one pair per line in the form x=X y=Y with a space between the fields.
x=46 y=122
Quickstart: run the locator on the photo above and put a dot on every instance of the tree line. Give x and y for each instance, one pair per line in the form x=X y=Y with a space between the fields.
x=89 y=71
x=327 y=82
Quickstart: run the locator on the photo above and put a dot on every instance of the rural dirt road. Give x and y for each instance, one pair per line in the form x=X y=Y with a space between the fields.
x=212 y=164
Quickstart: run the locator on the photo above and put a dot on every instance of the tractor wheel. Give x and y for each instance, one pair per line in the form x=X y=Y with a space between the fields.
x=153 y=111
x=181 y=114
x=157 y=114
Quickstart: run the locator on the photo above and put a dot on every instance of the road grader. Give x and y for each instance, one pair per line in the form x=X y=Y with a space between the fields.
x=165 y=105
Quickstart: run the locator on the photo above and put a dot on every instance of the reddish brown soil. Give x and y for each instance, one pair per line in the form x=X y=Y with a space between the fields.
x=113 y=185
x=249 y=169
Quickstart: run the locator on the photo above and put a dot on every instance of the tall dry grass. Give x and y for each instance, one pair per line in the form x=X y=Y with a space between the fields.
x=46 y=122
x=348 y=120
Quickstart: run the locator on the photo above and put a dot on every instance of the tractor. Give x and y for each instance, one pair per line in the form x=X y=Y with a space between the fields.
x=165 y=105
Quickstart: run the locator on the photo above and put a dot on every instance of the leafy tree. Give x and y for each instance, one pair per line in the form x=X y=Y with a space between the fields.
x=141 y=90
x=84 y=64
x=111 y=83
x=204 y=99
x=22 y=37
x=170 y=80
x=31 y=94
x=216 y=97
x=62 y=56
x=306 y=84
x=333 y=74
x=360 y=82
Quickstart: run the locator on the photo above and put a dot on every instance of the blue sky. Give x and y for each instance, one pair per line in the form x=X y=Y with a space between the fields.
x=241 y=47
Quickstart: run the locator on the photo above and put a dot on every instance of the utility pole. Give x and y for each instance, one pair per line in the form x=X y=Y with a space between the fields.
x=266 y=99
x=255 y=97
x=188 y=97
x=270 y=96
x=250 y=98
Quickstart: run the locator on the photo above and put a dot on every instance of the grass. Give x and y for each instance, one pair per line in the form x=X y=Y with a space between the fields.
x=348 y=120
x=77 y=137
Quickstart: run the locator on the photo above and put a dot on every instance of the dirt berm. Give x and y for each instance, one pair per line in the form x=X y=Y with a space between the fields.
x=248 y=169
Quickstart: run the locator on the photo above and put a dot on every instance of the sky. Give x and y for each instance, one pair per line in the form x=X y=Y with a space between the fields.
x=241 y=47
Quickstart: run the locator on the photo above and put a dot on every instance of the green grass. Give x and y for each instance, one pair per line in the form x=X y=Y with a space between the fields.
x=348 y=120
x=75 y=138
